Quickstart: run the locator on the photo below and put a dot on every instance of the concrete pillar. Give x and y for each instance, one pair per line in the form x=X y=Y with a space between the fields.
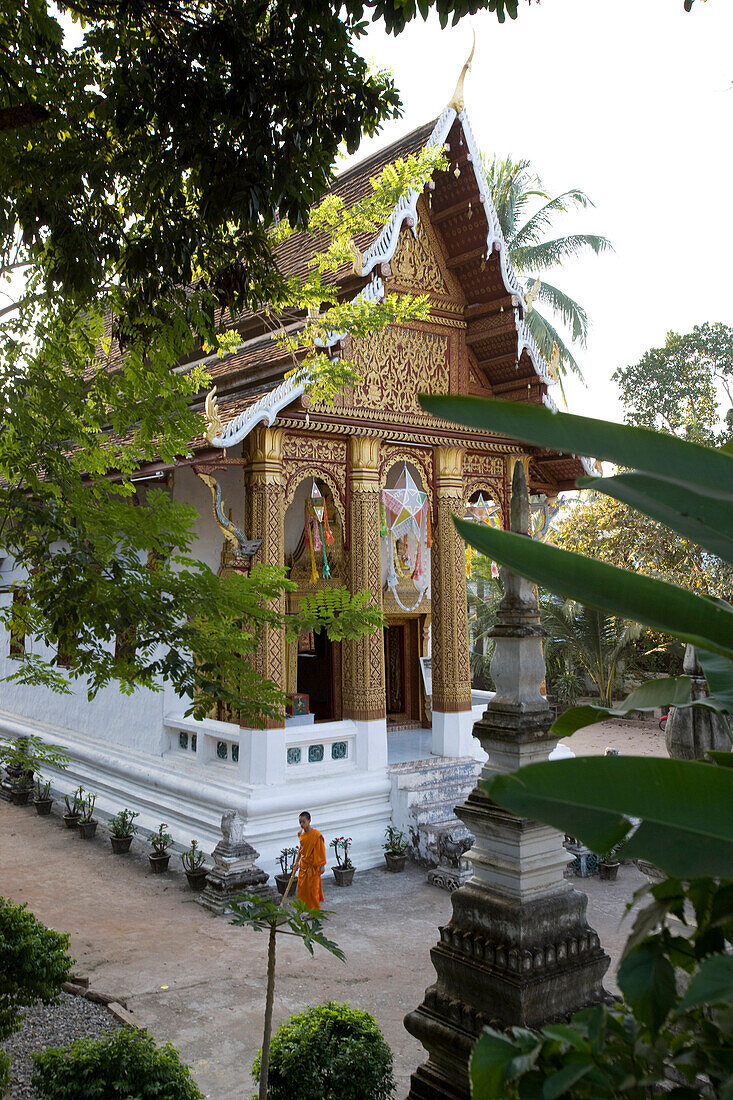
x=518 y=950
x=363 y=658
x=451 y=668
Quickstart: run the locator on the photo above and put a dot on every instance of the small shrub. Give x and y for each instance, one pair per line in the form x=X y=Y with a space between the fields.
x=34 y=961
x=4 y=1073
x=126 y=1065
x=329 y=1052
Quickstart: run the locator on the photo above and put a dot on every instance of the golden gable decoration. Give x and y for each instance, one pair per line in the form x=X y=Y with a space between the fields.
x=396 y=364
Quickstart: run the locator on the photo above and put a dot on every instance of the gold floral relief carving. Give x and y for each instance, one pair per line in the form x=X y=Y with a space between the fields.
x=415 y=265
x=482 y=465
x=396 y=364
x=297 y=472
x=299 y=448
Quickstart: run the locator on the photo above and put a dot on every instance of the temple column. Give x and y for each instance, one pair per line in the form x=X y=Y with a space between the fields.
x=451 y=669
x=363 y=664
x=517 y=950
x=263 y=755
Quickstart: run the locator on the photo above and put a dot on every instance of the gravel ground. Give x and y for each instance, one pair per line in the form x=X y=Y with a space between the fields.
x=51 y=1026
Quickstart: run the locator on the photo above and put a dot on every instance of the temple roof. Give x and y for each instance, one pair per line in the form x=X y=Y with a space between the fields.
x=504 y=360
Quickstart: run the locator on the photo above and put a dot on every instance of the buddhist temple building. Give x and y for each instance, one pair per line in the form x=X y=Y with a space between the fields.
x=359 y=493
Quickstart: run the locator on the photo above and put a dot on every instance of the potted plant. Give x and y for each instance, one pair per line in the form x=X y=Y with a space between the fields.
x=21 y=757
x=42 y=798
x=395 y=849
x=343 y=872
x=74 y=809
x=122 y=830
x=608 y=865
x=286 y=859
x=193 y=864
x=161 y=841
x=87 y=823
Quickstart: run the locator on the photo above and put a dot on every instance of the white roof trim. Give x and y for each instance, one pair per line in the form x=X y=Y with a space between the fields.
x=381 y=251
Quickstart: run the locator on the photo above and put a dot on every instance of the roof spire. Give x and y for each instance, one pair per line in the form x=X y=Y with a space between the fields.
x=456 y=101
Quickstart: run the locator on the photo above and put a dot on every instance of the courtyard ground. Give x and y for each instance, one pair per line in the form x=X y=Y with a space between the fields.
x=193 y=979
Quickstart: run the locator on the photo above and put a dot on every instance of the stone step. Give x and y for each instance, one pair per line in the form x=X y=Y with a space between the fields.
x=440 y=792
x=460 y=772
x=436 y=813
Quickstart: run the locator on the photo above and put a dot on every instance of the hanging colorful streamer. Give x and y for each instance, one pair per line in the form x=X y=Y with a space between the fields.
x=319 y=532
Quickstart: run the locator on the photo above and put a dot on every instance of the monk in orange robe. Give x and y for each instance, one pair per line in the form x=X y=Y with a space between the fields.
x=311 y=863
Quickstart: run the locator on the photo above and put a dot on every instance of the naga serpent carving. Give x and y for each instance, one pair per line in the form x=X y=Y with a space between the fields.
x=243 y=549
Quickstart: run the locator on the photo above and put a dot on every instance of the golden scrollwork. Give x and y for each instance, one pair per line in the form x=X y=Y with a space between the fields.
x=396 y=364
x=415 y=265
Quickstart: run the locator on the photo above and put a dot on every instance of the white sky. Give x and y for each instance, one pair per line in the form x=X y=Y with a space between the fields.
x=629 y=100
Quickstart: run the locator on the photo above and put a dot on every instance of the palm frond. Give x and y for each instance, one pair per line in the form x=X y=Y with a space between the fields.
x=546 y=254
x=512 y=184
x=545 y=336
x=542 y=219
x=571 y=312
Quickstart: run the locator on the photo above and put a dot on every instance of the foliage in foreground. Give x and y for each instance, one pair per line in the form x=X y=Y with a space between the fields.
x=329 y=1052
x=675 y=1025
x=288 y=919
x=126 y=1064
x=34 y=961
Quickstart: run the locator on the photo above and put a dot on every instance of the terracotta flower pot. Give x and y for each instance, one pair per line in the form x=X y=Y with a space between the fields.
x=159 y=862
x=87 y=829
x=344 y=875
x=607 y=871
x=120 y=844
x=43 y=806
x=197 y=878
x=71 y=820
x=395 y=860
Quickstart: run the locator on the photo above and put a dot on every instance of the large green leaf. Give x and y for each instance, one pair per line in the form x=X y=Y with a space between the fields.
x=697 y=516
x=713 y=984
x=719 y=675
x=670 y=691
x=646 y=979
x=702 y=468
x=685 y=828
x=697 y=619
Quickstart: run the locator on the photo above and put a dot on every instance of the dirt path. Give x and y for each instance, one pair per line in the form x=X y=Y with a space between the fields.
x=195 y=980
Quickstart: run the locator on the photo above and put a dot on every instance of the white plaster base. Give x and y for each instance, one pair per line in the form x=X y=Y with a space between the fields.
x=190 y=797
x=453 y=734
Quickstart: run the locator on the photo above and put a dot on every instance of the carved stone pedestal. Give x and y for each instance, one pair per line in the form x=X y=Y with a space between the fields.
x=448 y=877
x=518 y=949
x=235 y=871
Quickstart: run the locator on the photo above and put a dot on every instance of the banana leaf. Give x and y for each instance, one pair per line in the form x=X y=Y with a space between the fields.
x=703 y=469
x=683 y=806
x=700 y=620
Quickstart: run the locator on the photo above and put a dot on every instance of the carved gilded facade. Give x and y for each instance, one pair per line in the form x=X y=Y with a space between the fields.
x=396 y=365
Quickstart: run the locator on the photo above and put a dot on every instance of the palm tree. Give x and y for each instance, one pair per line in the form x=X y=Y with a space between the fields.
x=514 y=187
x=589 y=640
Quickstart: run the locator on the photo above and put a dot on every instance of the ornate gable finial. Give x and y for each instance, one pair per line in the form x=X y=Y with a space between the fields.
x=456 y=101
x=214 y=426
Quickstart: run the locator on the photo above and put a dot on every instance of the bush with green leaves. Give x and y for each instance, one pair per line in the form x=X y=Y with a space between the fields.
x=329 y=1052
x=127 y=1065
x=34 y=961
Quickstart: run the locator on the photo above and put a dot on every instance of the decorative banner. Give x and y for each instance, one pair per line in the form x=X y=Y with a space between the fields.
x=318 y=530
x=405 y=527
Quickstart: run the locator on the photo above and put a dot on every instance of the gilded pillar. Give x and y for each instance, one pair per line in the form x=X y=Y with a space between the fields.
x=265 y=514
x=451 y=667
x=363 y=668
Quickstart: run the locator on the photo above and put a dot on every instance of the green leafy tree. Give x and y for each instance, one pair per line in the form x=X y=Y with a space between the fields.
x=527 y=213
x=609 y=530
x=34 y=962
x=294 y=920
x=685 y=387
x=112 y=583
x=124 y=1064
x=329 y=1052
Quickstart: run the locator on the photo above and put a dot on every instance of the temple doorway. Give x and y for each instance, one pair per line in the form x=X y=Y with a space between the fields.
x=402 y=673
x=319 y=675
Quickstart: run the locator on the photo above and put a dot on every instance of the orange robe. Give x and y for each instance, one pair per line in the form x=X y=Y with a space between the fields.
x=312 y=858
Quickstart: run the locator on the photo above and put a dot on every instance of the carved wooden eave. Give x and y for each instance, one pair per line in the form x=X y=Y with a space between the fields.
x=474 y=290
